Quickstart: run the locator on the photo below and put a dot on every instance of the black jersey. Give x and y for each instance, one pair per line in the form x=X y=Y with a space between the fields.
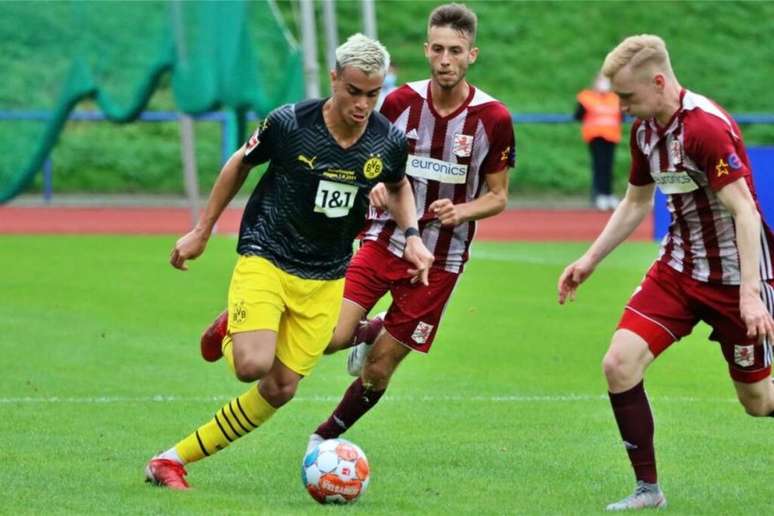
x=312 y=201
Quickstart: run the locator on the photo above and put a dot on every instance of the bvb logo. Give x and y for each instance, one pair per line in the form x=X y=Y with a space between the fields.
x=240 y=312
x=372 y=168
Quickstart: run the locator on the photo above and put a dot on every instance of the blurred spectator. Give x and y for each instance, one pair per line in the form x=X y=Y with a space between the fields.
x=390 y=83
x=600 y=116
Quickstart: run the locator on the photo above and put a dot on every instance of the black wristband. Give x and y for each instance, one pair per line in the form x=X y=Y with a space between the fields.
x=411 y=231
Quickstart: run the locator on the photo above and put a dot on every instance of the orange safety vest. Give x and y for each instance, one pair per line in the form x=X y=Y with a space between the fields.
x=602 y=118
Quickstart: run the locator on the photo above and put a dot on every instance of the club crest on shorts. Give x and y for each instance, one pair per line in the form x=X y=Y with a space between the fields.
x=462 y=145
x=744 y=356
x=422 y=332
x=239 y=312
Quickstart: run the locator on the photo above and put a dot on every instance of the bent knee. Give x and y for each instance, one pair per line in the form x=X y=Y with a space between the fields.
x=377 y=374
x=614 y=365
x=756 y=406
x=621 y=372
x=250 y=370
x=278 y=394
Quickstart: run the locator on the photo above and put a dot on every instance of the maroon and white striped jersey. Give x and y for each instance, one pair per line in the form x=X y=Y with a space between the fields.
x=449 y=157
x=699 y=152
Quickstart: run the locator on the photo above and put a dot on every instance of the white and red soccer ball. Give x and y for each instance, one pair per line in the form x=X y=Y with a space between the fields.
x=335 y=471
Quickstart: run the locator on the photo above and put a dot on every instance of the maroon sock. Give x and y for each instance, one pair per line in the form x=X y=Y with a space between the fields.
x=356 y=401
x=635 y=422
x=368 y=330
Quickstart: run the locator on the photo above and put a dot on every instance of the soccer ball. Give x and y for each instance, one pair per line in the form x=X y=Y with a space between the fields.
x=335 y=471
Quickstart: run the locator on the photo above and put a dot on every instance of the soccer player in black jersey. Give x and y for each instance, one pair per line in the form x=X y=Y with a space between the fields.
x=295 y=242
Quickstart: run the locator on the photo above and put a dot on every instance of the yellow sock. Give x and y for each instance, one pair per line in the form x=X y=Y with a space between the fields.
x=236 y=419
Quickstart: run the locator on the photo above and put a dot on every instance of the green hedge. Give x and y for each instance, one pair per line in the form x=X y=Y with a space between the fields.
x=534 y=56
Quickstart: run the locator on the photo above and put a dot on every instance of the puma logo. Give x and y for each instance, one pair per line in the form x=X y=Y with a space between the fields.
x=308 y=161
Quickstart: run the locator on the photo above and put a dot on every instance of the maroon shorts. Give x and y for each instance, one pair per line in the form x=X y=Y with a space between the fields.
x=416 y=310
x=668 y=304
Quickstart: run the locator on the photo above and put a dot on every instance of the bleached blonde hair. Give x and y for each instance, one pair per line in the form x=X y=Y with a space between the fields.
x=638 y=52
x=361 y=52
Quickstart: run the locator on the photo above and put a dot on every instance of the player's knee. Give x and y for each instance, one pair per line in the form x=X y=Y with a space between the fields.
x=755 y=406
x=377 y=373
x=278 y=394
x=610 y=364
x=615 y=367
x=250 y=370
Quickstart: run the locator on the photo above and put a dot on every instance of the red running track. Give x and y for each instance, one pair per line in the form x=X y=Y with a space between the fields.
x=526 y=224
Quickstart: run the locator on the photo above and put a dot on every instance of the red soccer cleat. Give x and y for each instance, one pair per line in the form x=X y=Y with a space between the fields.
x=210 y=343
x=166 y=473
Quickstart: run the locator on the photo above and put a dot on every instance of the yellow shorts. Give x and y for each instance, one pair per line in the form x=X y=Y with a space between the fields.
x=303 y=312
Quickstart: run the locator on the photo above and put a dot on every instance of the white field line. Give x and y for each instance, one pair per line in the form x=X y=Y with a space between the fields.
x=332 y=399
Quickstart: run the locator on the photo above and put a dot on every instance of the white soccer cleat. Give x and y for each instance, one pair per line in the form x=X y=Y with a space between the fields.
x=359 y=352
x=357 y=357
x=314 y=440
x=645 y=496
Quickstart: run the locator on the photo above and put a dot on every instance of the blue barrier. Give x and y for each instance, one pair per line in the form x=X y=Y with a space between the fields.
x=762 y=162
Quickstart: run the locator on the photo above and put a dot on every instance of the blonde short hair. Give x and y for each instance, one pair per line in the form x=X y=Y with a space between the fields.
x=638 y=52
x=361 y=52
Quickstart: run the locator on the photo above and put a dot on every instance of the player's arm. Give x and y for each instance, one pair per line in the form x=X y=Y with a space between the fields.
x=738 y=200
x=231 y=178
x=400 y=202
x=629 y=214
x=487 y=205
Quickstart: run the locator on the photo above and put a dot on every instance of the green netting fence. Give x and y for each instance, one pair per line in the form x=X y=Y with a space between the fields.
x=234 y=55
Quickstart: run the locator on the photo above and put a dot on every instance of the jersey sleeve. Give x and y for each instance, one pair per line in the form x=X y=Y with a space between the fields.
x=392 y=105
x=261 y=145
x=715 y=147
x=639 y=173
x=502 y=150
x=396 y=154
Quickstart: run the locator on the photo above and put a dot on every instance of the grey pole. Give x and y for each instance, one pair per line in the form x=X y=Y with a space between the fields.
x=369 y=19
x=331 y=32
x=309 y=40
x=187 y=141
x=190 y=177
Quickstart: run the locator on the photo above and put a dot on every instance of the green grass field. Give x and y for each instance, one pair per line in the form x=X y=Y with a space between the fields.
x=508 y=415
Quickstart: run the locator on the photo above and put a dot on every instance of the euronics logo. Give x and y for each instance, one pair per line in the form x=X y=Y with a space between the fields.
x=436 y=169
x=674 y=182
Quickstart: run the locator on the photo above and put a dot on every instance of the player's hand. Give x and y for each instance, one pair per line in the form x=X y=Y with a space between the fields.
x=573 y=275
x=447 y=212
x=755 y=316
x=188 y=247
x=378 y=196
x=417 y=254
